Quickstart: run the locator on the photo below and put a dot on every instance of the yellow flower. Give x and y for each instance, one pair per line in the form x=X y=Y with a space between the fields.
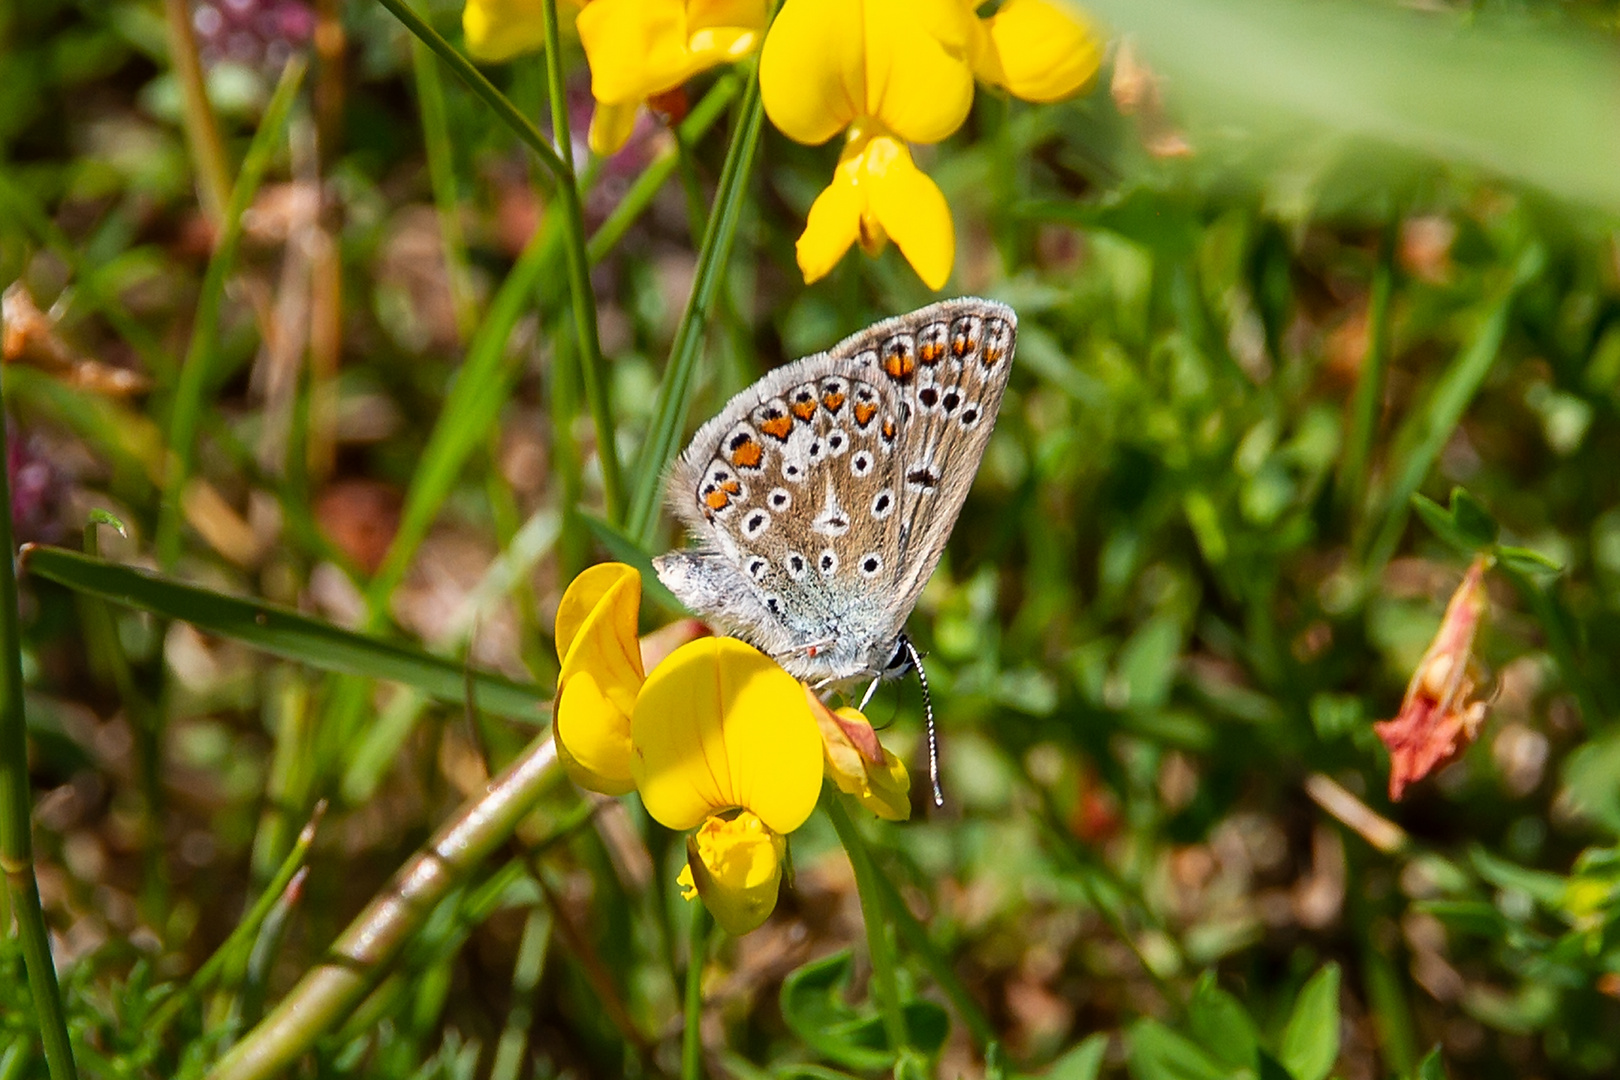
x=892 y=72
x=638 y=49
x=1036 y=50
x=859 y=764
x=895 y=72
x=723 y=738
x=601 y=676
x=735 y=864
x=498 y=30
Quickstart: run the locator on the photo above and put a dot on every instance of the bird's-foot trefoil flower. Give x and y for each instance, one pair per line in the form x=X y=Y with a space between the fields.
x=1439 y=715
x=723 y=740
x=640 y=49
x=897 y=72
x=716 y=737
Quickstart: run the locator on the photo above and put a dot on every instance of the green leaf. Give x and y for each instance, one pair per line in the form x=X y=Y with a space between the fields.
x=1310 y=1042
x=1083 y=1062
x=1432 y=1067
x=1467 y=916
x=1592 y=781
x=284 y=632
x=1546 y=889
x=1527 y=561
x=813 y=1005
x=1220 y=1024
x=1472 y=519
x=1157 y=1053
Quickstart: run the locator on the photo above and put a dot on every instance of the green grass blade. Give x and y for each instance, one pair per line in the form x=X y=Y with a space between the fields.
x=1431 y=424
x=16 y=811
x=196 y=371
x=669 y=415
x=283 y=632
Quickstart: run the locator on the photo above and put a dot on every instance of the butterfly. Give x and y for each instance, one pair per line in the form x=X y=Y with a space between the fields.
x=821 y=497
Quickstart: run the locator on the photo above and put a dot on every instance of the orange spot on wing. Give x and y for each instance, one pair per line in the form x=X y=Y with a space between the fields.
x=888 y=429
x=731 y=487
x=992 y=356
x=717 y=499
x=864 y=413
x=778 y=427
x=899 y=365
x=931 y=352
x=748 y=455
x=832 y=401
x=804 y=410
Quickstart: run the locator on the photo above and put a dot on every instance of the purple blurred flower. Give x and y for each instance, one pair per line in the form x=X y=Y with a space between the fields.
x=258 y=33
x=37 y=487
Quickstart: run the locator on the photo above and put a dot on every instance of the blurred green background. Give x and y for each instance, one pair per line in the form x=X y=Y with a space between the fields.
x=1285 y=267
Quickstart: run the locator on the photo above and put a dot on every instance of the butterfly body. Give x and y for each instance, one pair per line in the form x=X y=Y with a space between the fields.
x=821 y=497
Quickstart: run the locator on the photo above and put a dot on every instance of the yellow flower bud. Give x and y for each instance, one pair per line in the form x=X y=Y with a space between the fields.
x=735 y=865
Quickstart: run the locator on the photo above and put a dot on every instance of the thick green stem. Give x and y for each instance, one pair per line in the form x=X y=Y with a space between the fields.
x=692 y=1033
x=356 y=960
x=885 y=982
x=16 y=809
x=591 y=365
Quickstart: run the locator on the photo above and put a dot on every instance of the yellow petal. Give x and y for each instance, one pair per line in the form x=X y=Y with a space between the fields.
x=736 y=867
x=812 y=69
x=720 y=725
x=860 y=766
x=601 y=675
x=918 y=79
x=1038 y=50
x=911 y=210
x=611 y=126
x=638 y=48
x=498 y=30
x=833 y=224
x=719 y=31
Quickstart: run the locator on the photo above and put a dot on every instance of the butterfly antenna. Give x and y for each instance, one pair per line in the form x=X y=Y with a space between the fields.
x=928 y=711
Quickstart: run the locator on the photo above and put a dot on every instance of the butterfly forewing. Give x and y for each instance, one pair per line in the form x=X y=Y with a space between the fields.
x=822 y=495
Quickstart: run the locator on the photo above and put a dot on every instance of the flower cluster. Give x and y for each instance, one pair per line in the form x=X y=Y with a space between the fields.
x=885 y=73
x=717 y=738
